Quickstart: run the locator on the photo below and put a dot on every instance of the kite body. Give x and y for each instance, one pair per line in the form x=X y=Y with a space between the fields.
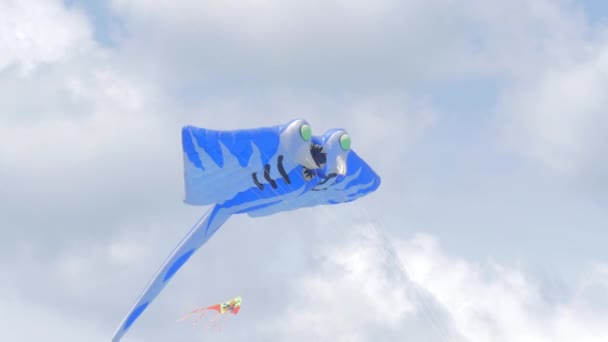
x=259 y=172
x=232 y=306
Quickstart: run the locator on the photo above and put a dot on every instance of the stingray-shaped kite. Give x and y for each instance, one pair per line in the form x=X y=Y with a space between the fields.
x=260 y=172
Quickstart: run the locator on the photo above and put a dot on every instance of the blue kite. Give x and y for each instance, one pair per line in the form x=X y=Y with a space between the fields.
x=260 y=172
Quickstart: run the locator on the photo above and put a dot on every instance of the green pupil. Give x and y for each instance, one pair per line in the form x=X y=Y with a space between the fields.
x=345 y=142
x=305 y=132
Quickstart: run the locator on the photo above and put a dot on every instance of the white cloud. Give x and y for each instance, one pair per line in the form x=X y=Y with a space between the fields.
x=559 y=116
x=71 y=123
x=273 y=19
x=351 y=45
x=355 y=289
x=76 y=107
x=30 y=34
x=351 y=290
x=25 y=320
x=329 y=47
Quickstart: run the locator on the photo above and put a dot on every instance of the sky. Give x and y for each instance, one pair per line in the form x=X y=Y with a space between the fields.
x=485 y=119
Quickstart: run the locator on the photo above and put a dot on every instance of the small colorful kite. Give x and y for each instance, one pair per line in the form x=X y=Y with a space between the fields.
x=232 y=306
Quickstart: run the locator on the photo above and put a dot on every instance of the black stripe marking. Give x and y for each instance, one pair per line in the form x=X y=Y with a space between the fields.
x=330 y=176
x=256 y=181
x=267 y=176
x=282 y=169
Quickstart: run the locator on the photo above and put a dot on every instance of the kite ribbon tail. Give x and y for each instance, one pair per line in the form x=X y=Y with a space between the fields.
x=196 y=237
x=190 y=314
x=215 y=307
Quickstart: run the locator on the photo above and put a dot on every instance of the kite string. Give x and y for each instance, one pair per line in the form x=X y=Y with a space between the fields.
x=385 y=249
x=385 y=246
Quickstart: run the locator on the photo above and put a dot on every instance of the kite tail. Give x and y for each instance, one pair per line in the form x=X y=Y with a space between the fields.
x=215 y=307
x=198 y=235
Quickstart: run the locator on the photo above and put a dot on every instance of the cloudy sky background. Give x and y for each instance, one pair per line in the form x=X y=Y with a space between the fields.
x=485 y=119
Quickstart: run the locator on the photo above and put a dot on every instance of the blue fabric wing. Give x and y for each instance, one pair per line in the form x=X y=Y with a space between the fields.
x=219 y=164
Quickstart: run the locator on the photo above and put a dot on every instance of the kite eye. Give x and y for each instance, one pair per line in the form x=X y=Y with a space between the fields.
x=305 y=132
x=345 y=142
